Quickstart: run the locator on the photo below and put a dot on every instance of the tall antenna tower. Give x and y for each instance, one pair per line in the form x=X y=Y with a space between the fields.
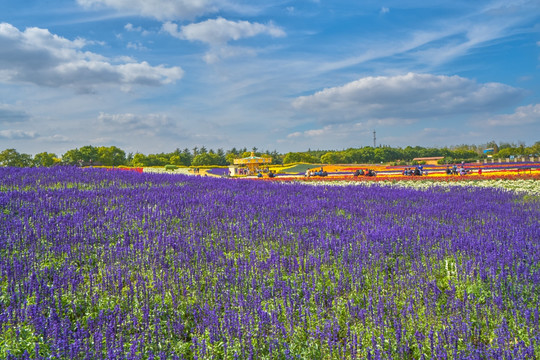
x=374 y=139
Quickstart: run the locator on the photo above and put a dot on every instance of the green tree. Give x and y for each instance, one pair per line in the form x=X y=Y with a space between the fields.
x=175 y=160
x=362 y=155
x=385 y=154
x=534 y=150
x=45 y=159
x=292 y=157
x=230 y=157
x=129 y=159
x=180 y=158
x=140 y=160
x=332 y=157
x=464 y=154
x=310 y=159
x=111 y=156
x=248 y=154
x=10 y=157
x=506 y=152
x=187 y=157
x=89 y=154
x=277 y=158
x=504 y=145
x=206 y=159
x=158 y=159
x=72 y=157
x=410 y=153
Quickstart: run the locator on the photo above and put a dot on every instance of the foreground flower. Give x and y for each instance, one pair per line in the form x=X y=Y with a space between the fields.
x=99 y=264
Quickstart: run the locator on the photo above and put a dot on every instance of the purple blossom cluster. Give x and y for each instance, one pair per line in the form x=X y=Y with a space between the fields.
x=99 y=264
x=219 y=171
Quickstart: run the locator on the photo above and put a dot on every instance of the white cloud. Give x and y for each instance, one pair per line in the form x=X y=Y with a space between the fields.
x=406 y=96
x=39 y=57
x=220 y=31
x=17 y=134
x=217 y=54
x=524 y=115
x=384 y=10
x=327 y=130
x=348 y=131
x=143 y=127
x=130 y=121
x=136 y=46
x=129 y=27
x=57 y=138
x=172 y=29
x=158 y=9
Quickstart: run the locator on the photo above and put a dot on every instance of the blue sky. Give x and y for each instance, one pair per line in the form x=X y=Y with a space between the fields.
x=153 y=76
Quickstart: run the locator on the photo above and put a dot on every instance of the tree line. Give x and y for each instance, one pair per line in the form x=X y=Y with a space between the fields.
x=113 y=156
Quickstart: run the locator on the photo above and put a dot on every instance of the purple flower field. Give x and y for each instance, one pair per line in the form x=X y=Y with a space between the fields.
x=98 y=264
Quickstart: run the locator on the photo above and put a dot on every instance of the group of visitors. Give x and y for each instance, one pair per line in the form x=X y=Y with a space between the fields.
x=362 y=172
x=270 y=173
x=417 y=171
x=319 y=172
x=461 y=170
x=243 y=171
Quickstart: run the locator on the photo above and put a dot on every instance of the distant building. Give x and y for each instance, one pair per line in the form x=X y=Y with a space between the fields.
x=434 y=160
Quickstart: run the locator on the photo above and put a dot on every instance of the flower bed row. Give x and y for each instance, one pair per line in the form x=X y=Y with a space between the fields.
x=508 y=175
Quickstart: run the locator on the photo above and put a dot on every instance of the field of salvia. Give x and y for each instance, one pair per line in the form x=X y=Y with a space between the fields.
x=98 y=264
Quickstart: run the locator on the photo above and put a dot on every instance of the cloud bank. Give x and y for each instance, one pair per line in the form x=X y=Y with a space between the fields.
x=220 y=31
x=39 y=57
x=130 y=121
x=158 y=9
x=17 y=135
x=406 y=96
x=524 y=115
